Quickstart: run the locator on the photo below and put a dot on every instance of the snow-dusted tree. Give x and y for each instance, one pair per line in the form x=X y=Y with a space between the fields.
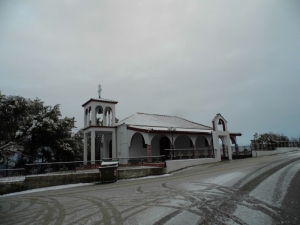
x=13 y=114
x=296 y=139
x=77 y=145
x=271 y=137
x=48 y=136
x=36 y=130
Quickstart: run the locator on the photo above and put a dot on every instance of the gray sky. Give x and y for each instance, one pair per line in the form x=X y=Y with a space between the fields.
x=191 y=59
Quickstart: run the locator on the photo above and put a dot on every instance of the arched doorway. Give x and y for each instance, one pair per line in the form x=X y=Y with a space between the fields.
x=164 y=143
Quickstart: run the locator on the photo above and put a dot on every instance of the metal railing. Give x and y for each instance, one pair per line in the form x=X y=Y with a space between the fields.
x=139 y=161
x=61 y=167
x=190 y=153
x=81 y=167
x=274 y=145
x=241 y=150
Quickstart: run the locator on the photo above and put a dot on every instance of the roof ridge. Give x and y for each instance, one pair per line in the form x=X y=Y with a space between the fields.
x=193 y=122
x=125 y=118
x=154 y=114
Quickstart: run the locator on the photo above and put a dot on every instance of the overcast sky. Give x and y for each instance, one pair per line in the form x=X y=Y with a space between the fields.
x=191 y=59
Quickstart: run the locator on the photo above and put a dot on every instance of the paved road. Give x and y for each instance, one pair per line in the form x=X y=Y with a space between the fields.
x=263 y=190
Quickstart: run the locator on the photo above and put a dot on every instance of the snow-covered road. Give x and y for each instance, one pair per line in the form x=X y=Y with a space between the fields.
x=261 y=190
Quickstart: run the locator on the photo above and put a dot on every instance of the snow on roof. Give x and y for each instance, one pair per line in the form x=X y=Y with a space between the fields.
x=100 y=100
x=166 y=129
x=155 y=120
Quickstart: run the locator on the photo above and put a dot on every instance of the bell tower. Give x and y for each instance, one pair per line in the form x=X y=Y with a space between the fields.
x=99 y=119
x=220 y=131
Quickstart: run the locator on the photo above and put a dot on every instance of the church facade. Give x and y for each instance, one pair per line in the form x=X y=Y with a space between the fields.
x=148 y=135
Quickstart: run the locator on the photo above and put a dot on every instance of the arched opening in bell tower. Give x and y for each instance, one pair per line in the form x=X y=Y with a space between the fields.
x=221 y=125
x=99 y=115
x=109 y=116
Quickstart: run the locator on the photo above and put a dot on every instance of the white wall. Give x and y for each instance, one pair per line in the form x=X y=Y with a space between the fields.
x=216 y=145
x=173 y=165
x=225 y=135
x=122 y=145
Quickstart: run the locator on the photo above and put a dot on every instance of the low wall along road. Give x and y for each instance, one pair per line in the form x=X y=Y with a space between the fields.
x=47 y=180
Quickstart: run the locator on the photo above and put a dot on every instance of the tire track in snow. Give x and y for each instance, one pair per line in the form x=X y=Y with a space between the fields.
x=226 y=204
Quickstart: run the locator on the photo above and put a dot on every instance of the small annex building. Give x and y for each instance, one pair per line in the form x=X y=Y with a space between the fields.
x=143 y=134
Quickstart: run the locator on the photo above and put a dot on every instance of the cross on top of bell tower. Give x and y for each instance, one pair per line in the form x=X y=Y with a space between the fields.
x=99 y=91
x=99 y=99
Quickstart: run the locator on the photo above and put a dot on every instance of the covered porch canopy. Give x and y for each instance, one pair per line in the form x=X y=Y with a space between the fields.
x=151 y=134
x=155 y=140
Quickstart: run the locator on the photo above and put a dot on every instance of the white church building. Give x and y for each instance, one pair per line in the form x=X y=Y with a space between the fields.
x=143 y=134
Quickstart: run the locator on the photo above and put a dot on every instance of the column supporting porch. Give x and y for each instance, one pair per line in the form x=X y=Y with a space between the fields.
x=149 y=153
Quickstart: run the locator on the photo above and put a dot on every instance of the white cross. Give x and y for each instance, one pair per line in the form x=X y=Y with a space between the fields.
x=99 y=91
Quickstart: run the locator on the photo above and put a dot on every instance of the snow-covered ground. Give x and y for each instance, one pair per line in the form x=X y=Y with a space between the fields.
x=48 y=189
x=12 y=179
x=226 y=179
x=274 y=188
x=252 y=191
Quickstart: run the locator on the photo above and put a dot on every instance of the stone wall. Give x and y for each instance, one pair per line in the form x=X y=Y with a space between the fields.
x=10 y=187
x=32 y=182
x=40 y=181
x=140 y=172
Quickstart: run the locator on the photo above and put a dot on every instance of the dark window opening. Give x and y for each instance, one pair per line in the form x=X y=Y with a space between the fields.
x=191 y=143
x=206 y=142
